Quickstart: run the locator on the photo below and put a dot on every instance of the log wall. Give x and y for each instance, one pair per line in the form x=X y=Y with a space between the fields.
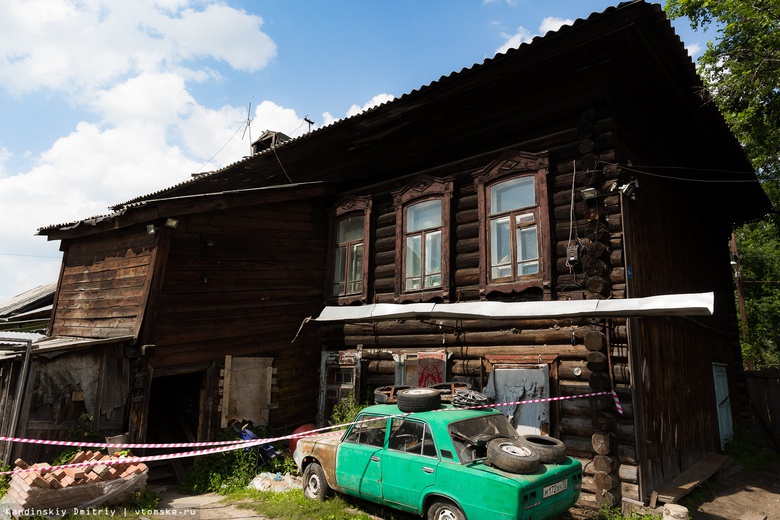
x=587 y=362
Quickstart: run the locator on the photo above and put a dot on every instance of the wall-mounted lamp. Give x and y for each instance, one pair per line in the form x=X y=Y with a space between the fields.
x=151 y=229
x=628 y=189
x=590 y=193
x=171 y=222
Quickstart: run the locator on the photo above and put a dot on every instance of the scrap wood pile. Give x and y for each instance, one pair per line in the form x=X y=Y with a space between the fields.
x=99 y=484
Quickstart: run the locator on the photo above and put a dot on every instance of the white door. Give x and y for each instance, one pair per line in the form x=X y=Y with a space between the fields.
x=723 y=402
x=511 y=383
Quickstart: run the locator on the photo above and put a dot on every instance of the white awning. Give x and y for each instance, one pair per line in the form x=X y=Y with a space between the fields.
x=695 y=304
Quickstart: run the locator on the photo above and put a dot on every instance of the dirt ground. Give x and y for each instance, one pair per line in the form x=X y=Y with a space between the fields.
x=743 y=493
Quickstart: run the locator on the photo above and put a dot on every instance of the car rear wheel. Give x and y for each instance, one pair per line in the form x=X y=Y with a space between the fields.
x=551 y=450
x=315 y=487
x=445 y=510
x=418 y=400
x=513 y=455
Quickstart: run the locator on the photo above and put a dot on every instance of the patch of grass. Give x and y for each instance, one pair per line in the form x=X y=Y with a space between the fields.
x=744 y=449
x=292 y=505
x=613 y=513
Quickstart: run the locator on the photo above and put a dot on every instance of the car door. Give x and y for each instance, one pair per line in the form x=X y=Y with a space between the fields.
x=408 y=464
x=359 y=457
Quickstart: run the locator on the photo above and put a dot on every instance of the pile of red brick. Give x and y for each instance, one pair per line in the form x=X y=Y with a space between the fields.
x=73 y=487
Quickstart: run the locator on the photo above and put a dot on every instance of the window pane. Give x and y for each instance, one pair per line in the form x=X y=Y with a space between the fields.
x=339 y=269
x=514 y=194
x=528 y=251
x=423 y=216
x=413 y=262
x=372 y=432
x=433 y=259
x=500 y=248
x=350 y=229
x=355 y=275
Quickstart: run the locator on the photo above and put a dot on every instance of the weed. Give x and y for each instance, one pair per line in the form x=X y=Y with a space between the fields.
x=613 y=513
x=744 y=449
x=223 y=472
x=293 y=505
x=346 y=410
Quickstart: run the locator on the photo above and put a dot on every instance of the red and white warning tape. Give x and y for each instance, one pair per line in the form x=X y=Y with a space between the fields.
x=224 y=446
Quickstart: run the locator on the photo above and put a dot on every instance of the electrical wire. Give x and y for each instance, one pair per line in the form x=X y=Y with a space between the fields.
x=243 y=124
x=631 y=168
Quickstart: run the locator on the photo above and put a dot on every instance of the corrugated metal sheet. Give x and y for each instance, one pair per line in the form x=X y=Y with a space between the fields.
x=696 y=304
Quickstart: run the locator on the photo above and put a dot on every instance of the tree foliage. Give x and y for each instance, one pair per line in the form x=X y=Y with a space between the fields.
x=741 y=69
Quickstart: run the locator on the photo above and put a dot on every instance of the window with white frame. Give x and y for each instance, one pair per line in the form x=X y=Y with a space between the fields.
x=514 y=245
x=422 y=246
x=515 y=251
x=423 y=239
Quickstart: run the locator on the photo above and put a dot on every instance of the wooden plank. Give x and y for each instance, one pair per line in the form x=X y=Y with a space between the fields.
x=689 y=479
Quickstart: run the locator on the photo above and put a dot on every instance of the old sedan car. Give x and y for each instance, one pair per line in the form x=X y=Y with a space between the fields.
x=447 y=463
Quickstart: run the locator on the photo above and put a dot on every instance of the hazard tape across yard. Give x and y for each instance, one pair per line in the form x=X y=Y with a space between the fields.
x=225 y=446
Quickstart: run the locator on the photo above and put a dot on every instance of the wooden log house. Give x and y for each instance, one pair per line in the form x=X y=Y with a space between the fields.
x=183 y=308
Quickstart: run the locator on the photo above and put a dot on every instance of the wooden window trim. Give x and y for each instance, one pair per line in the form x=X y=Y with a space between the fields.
x=509 y=166
x=346 y=207
x=421 y=189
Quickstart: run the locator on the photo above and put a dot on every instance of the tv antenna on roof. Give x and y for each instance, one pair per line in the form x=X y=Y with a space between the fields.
x=248 y=128
x=306 y=118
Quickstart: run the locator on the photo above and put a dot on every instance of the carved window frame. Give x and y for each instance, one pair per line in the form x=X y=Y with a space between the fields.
x=345 y=208
x=514 y=165
x=422 y=189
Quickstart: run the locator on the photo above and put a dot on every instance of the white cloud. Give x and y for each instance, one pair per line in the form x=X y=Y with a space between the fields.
x=5 y=154
x=551 y=23
x=79 y=47
x=694 y=49
x=373 y=102
x=523 y=35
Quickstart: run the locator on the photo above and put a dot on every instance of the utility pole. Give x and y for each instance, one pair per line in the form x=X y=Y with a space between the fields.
x=738 y=280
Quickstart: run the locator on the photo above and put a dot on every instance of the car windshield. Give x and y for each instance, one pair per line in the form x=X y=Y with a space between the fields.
x=470 y=437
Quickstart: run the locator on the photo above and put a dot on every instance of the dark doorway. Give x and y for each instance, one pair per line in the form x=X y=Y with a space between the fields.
x=174 y=408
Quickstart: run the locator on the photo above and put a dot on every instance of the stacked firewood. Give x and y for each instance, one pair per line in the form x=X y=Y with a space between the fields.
x=73 y=487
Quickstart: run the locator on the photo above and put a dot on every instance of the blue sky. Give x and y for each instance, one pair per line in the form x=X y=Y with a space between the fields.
x=102 y=100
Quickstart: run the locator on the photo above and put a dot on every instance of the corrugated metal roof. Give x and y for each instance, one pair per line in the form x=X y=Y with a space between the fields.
x=26 y=301
x=406 y=98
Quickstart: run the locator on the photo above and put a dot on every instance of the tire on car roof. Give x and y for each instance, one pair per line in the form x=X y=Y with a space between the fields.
x=513 y=455
x=551 y=450
x=418 y=399
x=387 y=394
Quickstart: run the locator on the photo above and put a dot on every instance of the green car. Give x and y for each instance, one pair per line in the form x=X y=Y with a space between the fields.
x=447 y=463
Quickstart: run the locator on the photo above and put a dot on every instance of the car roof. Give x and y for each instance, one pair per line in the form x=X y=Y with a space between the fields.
x=444 y=415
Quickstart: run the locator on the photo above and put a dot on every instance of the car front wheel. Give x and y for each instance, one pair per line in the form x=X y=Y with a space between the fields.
x=315 y=487
x=445 y=510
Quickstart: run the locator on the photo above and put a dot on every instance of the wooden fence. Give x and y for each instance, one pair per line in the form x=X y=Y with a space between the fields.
x=764 y=392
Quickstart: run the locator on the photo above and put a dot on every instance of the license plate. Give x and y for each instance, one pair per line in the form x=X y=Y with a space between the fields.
x=554 y=489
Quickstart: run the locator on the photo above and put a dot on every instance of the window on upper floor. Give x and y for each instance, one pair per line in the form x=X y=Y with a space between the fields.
x=514 y=246
x=422 y=246
x=514 y=232
x=422 y=239
x=348 y=262
x=348 y=256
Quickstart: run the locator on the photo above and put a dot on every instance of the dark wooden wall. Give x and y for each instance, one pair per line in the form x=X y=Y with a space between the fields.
x=240 y=282
x=581 y=152
x=104 y=282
